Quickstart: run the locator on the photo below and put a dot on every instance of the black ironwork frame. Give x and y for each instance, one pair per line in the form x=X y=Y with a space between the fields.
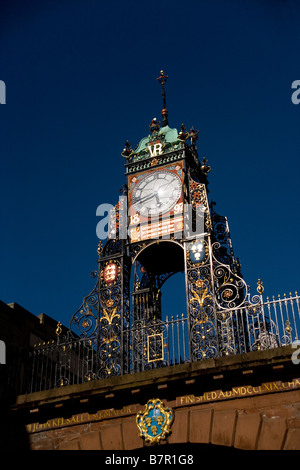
x=119 y=328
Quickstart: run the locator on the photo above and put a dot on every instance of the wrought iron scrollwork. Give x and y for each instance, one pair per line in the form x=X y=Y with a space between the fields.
x=231 y=289
x=148 y=345
x=84 y=321
x=201 y=308
x=111 y=317
x=116 y=331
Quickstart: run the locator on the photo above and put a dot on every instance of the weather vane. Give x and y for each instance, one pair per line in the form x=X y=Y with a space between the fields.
x=162 y=80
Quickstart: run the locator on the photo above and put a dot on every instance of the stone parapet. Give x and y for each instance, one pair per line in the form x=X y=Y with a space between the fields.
x=250 y=402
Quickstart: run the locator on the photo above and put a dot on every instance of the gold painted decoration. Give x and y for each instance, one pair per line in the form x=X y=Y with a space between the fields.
x=58 y=330
x=260 y=287
x=155 y=422
x=100 y=248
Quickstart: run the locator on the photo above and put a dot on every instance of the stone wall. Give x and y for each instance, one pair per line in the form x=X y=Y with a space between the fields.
x=264 y=422
x=248 y=402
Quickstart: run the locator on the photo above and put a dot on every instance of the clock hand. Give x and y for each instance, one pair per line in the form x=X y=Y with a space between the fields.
x=157 y=200
x=146 y=198
x=149 y=197
x=158 y=185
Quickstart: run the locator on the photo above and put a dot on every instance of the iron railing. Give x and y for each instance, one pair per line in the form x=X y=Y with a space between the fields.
x=159 y=343
x=264 y=325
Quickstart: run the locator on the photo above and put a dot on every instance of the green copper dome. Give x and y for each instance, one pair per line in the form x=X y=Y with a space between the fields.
x=170 y=136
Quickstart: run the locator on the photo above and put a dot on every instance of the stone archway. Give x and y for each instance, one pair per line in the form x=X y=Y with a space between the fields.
x=249 y=402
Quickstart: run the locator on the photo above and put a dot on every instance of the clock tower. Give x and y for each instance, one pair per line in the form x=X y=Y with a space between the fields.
x=163 y=224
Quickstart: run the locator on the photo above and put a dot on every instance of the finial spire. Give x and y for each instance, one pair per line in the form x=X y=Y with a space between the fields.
x=162 y=80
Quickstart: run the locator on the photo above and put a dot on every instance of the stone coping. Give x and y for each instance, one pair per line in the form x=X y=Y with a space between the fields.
x=188 y=371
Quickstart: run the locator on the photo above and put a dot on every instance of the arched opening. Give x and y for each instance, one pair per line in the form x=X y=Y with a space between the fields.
x=173 y=299
x=161 y=257
x=158 y=323
x=158 y=265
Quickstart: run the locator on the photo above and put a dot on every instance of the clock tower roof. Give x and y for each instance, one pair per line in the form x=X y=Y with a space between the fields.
x=164 y=145
x=169 y=135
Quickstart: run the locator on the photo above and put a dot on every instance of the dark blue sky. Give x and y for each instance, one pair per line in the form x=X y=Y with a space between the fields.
x=81 y=79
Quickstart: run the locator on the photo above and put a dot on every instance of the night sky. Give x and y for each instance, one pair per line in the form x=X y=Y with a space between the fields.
x=80 y=80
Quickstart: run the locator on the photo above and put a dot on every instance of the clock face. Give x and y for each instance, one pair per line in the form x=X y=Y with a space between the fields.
x=156 y=193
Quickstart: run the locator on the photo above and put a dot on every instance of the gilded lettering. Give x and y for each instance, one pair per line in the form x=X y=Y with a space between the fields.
x=275 y=386
x=268 y=387
x=191 y=398
x=241 y=391
x=31 y=427
x=284 y=385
